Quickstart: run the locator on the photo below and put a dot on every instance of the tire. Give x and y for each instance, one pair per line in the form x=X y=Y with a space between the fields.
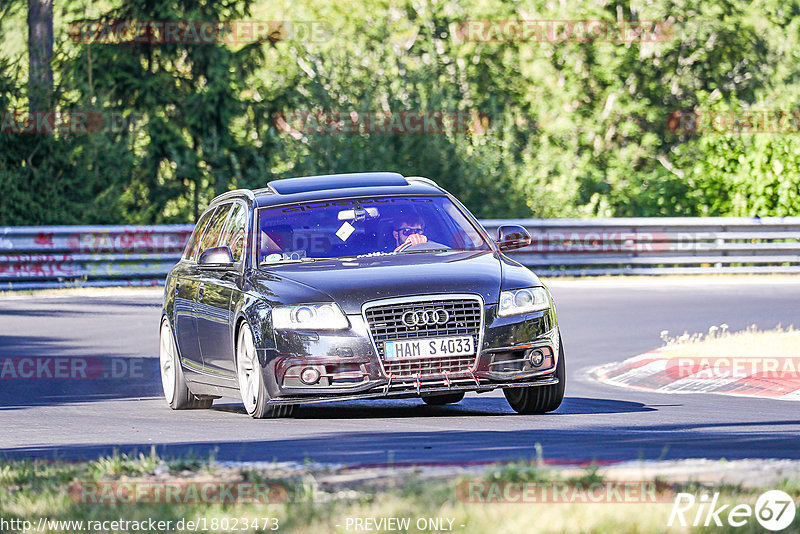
x=173 y=383
x=540 y=399
x=251 y=382
x=441 y=400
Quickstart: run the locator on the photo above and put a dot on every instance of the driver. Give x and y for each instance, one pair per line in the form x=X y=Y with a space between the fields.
x=408 y=231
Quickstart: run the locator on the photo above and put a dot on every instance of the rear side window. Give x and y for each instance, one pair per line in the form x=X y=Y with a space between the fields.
x=213 y=233
x=235 y=231
x=194 y=239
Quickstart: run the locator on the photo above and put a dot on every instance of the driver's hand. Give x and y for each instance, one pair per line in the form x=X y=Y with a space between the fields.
x=413 y=239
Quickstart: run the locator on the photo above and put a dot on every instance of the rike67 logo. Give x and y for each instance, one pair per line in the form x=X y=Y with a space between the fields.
x=774 y=510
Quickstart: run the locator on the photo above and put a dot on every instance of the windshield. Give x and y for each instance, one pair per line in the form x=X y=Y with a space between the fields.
x=363 y=226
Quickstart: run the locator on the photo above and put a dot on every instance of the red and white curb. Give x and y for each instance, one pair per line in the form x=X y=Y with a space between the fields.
x=662 y=372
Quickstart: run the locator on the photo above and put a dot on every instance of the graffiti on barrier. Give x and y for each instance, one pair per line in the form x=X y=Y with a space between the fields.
x=132 y=241
x=38 y=265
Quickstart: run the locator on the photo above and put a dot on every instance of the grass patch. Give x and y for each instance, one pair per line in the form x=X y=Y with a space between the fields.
x=719 y=342
x=325 y=501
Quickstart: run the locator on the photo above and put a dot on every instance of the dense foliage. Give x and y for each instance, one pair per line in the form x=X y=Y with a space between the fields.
x=578 y=127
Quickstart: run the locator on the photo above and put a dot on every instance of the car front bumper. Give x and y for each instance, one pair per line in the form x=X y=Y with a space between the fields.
x=404 y=389
x=350 y=368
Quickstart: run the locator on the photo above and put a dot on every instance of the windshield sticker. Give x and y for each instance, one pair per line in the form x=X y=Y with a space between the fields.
x=273 y=258
x=345 y=231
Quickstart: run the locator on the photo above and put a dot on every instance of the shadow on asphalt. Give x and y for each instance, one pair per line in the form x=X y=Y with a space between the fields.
x=40 y=368
x=483 y=406
x=46 y=371
x=48 y=312
x=601 y=444
x=32 y=346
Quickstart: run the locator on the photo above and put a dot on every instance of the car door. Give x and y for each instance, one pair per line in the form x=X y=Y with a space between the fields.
x=214 y=323
x=217 y=343
x=184 y=320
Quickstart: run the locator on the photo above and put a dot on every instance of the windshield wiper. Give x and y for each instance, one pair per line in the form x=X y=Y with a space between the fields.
x=426 y=250
x=282 y=262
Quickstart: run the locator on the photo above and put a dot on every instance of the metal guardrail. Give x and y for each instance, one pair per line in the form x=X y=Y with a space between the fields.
x=58 y=256
x=37 y=257
x=655 y=246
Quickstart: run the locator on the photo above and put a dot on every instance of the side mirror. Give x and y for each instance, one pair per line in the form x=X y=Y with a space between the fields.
x=216 y=258
x=512 y=237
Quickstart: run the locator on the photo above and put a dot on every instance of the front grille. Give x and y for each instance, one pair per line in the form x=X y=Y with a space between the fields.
x=386 y=324
x=428 y=366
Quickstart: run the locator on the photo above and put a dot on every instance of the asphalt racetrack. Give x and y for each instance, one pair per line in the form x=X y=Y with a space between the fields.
x=118 y=405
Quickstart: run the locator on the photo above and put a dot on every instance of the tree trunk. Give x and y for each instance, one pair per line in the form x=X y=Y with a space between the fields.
x=40 y=54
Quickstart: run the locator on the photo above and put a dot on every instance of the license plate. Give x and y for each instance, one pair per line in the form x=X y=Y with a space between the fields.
x=428 y=348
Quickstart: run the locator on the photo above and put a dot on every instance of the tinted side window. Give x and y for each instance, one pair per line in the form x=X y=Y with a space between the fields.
x=214 y=231
x=194 y=239
x=235 y=231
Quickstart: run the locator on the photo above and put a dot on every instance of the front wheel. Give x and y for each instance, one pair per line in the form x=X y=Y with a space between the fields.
x=540 y=399
x=173 y=383
x=251 y=382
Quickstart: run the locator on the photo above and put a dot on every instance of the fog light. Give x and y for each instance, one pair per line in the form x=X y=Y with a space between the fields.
x=309 y=376
x=536 y=357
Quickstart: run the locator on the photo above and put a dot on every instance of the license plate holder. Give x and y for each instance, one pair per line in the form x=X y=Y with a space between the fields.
x=429 y=347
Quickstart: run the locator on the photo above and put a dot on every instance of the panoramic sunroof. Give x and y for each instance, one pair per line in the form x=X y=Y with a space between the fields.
x=336 y=181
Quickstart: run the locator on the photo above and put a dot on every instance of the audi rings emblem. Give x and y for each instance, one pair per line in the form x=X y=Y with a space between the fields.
x=426 y=317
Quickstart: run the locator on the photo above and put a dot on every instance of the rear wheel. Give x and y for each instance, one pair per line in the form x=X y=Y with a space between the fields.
x=540 y=399
x=441 y=400
x=251 y=382
x=173 y=383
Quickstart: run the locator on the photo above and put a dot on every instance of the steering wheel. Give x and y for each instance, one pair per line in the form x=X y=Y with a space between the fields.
x=428 y=245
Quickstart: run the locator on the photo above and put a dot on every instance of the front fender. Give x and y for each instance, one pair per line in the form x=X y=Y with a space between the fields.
x=258 y=315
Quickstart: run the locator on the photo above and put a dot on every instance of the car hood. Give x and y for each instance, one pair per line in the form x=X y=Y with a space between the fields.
x=351 y=282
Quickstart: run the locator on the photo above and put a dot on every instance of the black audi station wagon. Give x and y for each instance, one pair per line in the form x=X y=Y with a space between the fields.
x=354 y=286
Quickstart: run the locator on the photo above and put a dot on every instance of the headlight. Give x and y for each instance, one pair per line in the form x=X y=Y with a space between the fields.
x=523 y=300
x=309 y=317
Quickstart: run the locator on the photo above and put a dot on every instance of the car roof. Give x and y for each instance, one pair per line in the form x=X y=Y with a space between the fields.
x=331 y=186
x=336 y=181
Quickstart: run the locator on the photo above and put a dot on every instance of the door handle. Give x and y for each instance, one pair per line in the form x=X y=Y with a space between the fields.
x=201 y=291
